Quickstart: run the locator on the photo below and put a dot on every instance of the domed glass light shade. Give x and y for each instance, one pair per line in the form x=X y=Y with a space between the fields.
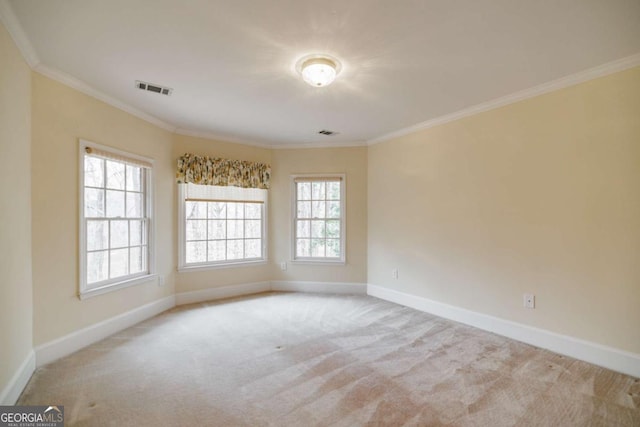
x=319 y=71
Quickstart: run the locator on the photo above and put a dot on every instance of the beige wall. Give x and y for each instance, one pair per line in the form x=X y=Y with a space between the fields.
x=350 y=161
x=541 y=196
x=284 y=163
x=204 y=279
x=60 y=116
x=15 y=210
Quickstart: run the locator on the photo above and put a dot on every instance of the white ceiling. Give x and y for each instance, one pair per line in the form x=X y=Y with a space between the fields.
x=231 y=62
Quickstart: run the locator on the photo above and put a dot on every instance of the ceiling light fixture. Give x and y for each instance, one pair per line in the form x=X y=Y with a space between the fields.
x=318 y=70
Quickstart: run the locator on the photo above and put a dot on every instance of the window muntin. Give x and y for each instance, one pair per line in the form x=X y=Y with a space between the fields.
x=318 y=219
x=115 y=218
x=220 y=231
x=222 y=226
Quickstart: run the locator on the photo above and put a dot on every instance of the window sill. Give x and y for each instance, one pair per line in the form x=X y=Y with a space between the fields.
x=338 y=262
x=204 y=267
x=115 y=286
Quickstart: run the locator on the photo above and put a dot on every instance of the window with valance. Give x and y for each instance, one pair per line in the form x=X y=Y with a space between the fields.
x=222 y=212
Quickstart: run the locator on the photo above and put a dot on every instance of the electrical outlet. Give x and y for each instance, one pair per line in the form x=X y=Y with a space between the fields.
x=394 y=273
x=283 y=265
x=529 y=301
x=160 y=280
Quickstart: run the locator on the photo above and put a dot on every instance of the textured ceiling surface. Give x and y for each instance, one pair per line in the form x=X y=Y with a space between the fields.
x=231 y=63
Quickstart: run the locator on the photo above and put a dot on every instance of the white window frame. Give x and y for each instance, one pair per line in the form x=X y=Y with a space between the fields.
x=125 y=281
x=343 y=219
x=183 y=266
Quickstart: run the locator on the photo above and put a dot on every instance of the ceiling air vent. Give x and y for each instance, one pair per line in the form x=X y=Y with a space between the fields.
x=327 y=132
x=153 y=88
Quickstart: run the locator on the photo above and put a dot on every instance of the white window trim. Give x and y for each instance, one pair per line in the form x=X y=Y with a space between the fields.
x=183 y=267
x=127 y=281
x=343 y=220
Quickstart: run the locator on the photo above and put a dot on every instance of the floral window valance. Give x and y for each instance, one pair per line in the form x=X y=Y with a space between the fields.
x=205 y=170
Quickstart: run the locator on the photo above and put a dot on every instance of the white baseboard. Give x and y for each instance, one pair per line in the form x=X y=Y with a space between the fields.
x=18 y=382
x=68 y=344
x=282 y=286
x=222 y=292
x=77 y=340
x=597 y=354
x=320 y=287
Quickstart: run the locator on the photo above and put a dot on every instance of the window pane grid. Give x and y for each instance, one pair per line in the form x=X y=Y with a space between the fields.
x=131 y=191
x=318 y=231
x=228 y=232
x=115 y=222
x=122 y=268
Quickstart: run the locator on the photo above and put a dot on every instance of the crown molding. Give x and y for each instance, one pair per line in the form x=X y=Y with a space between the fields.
x=232 y=140
x=561 y=83
x=219 y=138
x=80 y=86
x=11 y=23
x=85 y=88
x=319 y=145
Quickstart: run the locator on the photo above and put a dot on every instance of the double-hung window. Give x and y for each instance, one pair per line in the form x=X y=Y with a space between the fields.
x=319 y=218
x=221 y=226
x=115 y=215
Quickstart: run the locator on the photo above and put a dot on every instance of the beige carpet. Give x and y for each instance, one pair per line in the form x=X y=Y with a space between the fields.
x=283 y=359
